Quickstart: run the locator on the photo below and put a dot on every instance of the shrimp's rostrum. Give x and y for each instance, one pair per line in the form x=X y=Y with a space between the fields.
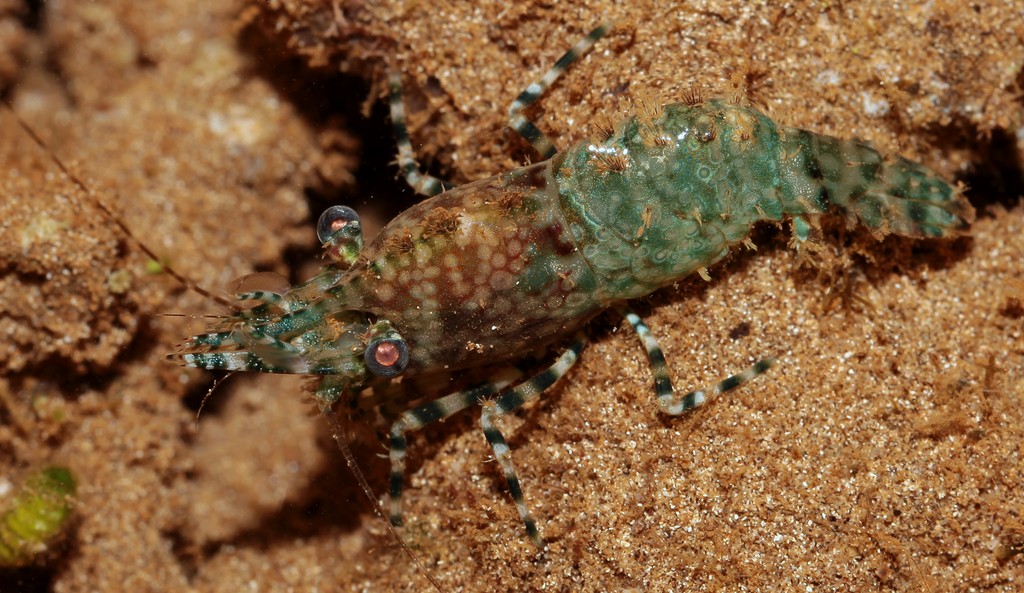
x=493 y=269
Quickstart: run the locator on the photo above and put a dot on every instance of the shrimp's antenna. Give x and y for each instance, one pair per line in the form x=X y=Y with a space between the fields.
x=216 y=383
x=109 y=214
x=353 y=467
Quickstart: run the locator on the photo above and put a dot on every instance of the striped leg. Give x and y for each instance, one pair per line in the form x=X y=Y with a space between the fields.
x=671 y=403
x=417 y=418
x=659 y=368
x=264 y=296
x=274 y=304
x=421 y=183
x=522 y=393
x=257 y=351
x=526 y=128
x=697 y=398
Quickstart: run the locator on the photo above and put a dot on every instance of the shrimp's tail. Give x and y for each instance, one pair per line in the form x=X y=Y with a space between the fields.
x=886 y=194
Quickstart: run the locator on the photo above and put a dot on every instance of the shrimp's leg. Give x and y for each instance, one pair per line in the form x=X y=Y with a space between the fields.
x=420 y=182
x=263 y=296
x=676 y=405
x=659 y=368
x=428 y=185
x=671 y=403
x=526 y=128
x=505 y=403
x=417 y=418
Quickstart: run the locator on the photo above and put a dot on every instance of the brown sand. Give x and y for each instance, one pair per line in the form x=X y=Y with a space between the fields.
x=883 y=452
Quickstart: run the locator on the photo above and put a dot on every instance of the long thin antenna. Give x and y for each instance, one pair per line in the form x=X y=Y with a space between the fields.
x=216 y=383
x=350 y=460
x=109 y=214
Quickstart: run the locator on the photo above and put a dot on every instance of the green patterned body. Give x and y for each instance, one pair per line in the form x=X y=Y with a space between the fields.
x=689 y=183
x=493 y=269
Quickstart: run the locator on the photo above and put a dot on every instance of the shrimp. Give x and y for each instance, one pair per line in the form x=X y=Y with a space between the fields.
x=486 y=272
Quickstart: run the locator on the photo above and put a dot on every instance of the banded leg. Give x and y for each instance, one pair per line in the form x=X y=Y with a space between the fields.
x=671 y=403
x=663 y=389
x=526 y=128
x=505 y=403
x=274 y=304
x=417 y=418
x=699 y=397
x=420 y=183
x=265 y=297
x=257 y=351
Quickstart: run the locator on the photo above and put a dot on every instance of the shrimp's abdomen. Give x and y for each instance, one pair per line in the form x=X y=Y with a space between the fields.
x=670 y=192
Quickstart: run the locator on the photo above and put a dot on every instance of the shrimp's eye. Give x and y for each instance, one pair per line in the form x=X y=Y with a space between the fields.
x=334 y=220
x=387 y=357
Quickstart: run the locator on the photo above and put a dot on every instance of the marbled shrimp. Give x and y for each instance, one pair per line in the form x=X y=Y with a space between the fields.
x=491 y=270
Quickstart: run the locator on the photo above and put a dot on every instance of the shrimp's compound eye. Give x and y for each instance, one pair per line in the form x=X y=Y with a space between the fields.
x=387 y=357
x=336 y=219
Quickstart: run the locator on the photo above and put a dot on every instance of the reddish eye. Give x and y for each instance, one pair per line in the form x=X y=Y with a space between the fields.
x=333 y=220
x=386 y=354
x=387 y=357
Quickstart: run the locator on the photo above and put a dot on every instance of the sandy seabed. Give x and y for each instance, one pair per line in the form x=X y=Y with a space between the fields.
x=883 y=452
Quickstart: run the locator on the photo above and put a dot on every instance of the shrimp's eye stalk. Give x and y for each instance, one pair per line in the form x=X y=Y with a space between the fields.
x=387 y=357
x=341 y=233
